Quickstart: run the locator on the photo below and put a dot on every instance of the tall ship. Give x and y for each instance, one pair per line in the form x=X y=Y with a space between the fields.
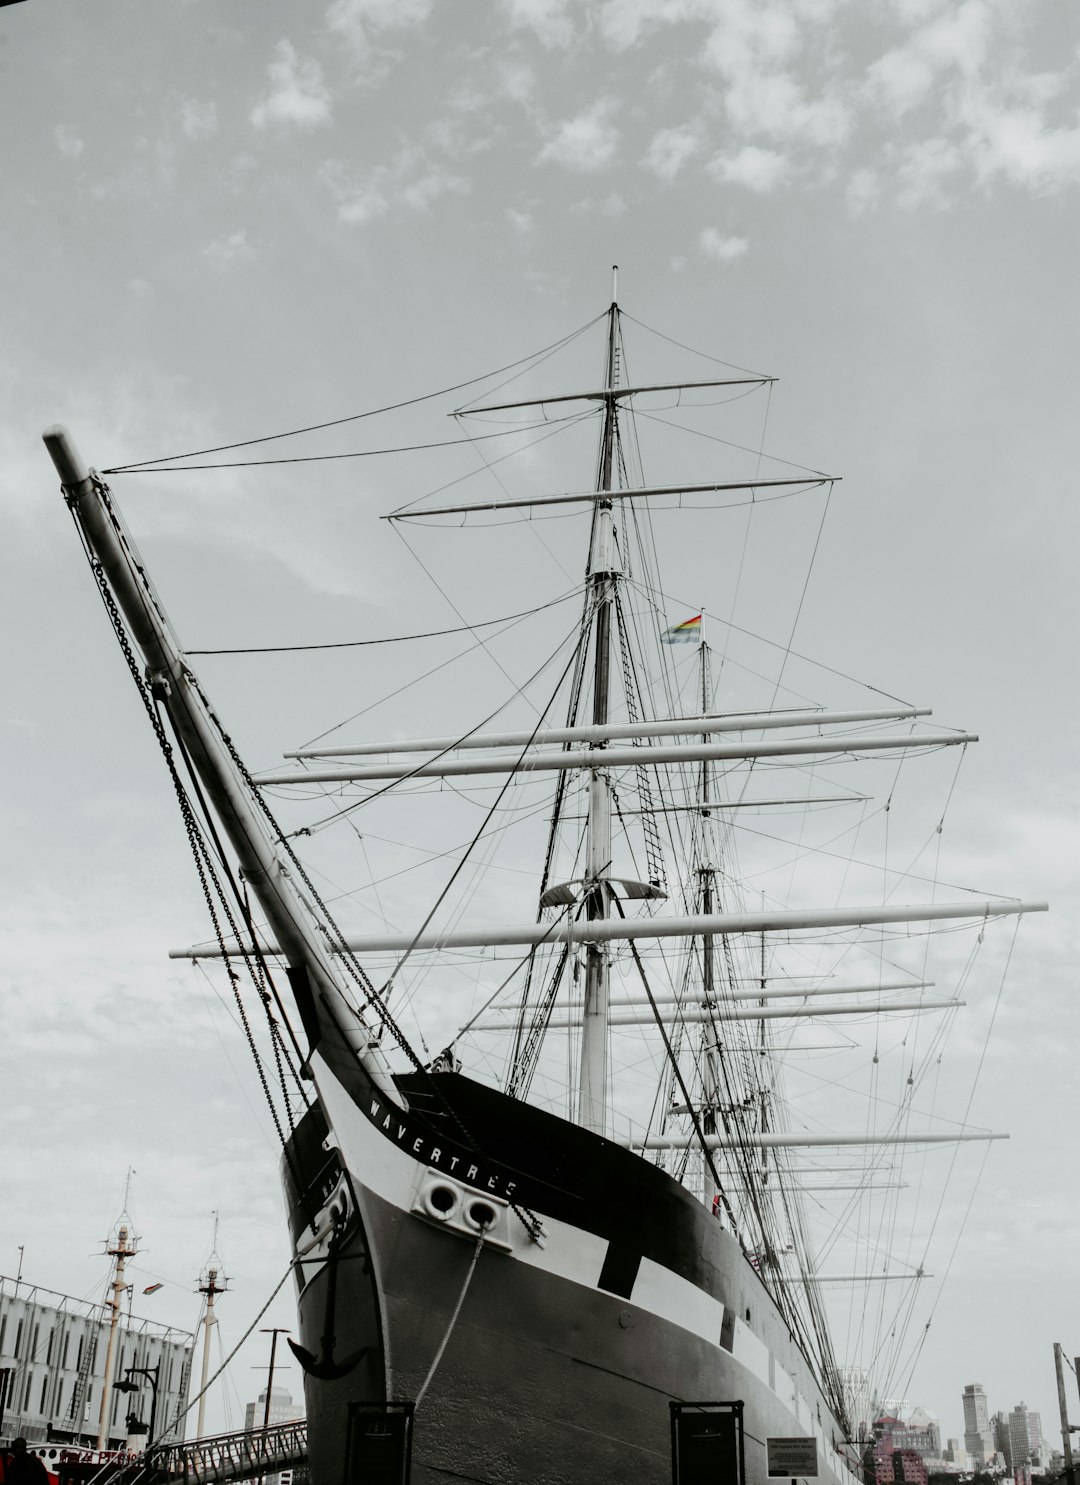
x=559 y=1117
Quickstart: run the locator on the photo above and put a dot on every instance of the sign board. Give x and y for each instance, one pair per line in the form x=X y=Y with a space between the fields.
x=792 y=1458
x=707 y=1443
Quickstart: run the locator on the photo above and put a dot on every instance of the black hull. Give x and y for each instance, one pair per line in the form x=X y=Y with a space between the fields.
x=563 y=1360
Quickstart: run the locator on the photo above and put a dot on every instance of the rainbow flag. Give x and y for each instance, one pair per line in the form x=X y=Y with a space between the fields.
x=686 y=633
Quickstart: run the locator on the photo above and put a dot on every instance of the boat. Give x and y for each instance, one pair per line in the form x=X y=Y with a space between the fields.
x=537 y=1253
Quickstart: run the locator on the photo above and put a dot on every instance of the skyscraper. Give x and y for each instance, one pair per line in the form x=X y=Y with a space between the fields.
x=977 y=1438
x=1025 y=1436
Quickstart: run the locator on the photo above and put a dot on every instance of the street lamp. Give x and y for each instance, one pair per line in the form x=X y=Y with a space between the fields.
x=153 y=1376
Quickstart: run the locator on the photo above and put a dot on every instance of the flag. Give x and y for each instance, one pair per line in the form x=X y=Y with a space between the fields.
x=153 y=1288
x=686 y=633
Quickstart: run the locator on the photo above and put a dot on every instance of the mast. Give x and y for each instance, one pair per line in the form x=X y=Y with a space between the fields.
x=592 y=1090
x=210 y=1287
x=120 y=1253
x=710 y=1081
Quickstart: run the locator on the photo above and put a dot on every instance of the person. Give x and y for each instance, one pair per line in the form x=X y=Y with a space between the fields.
x=24 y=1468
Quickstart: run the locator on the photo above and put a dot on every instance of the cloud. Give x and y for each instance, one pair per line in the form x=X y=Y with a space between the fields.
x=1017 y=143
x=356 y=20
x=923 y=171
x=223 y=252
x=863 y=192
x=198 y=120
x=298 y=95
x=523 y=222
x=70 y=143
x=724 y=249
x=585 y=142
x=903 y=78
x=549 y=20
x=670 y=149
x=410 y=179
x=758 y=169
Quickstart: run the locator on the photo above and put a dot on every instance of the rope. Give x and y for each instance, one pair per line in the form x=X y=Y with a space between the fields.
x=453 y=1320
x=374 y=412
x=391 y=639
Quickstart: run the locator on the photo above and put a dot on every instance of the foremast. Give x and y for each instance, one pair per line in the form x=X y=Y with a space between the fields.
x=602 y=577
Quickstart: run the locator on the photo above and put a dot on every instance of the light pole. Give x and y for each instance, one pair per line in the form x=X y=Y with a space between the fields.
x=273 y=1331
x=153 y=1376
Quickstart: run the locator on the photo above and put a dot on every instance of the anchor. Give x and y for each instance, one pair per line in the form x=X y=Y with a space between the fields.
x=324 y=1366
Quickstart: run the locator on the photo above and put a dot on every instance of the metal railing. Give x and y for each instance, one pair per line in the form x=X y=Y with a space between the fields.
x=232 y=1456
x=247 y=1455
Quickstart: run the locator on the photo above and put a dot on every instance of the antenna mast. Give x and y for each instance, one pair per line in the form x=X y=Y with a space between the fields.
x=209 y=1286
x=120 y=1252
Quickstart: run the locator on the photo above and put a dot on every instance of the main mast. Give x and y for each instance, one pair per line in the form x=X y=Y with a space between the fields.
x=592 y=1092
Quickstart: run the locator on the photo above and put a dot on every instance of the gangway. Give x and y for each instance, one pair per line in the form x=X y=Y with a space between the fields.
x=231 y=1456
x=213 y=1460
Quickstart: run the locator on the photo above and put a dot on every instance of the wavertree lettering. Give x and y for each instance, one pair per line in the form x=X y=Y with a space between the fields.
x=456 y=1163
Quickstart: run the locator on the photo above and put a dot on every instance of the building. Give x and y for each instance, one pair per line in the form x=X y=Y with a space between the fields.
x=857 y=1400
x=978 y=1439
x=954 y=1454
x=282 y=1410
x=52 y=1368
x=919 y=1432
x=1024 y=1438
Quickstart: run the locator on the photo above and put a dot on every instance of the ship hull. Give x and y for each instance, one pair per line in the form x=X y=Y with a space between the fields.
x=552 y=1362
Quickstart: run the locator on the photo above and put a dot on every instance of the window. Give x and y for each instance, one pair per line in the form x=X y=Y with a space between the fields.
x=49 y=1348
x=18 y=1339
x=44 y=1392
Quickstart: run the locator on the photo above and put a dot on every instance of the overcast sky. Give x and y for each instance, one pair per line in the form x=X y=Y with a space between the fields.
x=223 y=220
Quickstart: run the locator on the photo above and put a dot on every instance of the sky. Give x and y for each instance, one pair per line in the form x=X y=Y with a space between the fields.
x=226 y=221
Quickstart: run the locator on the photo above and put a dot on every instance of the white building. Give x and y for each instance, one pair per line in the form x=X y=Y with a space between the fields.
x=52 y=1367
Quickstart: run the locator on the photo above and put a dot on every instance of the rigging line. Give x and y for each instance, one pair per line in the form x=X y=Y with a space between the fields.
x=541 y=357
x=689 y=348
x=802 y=595
x=391 y=639
x=440 y=589
x=374 y=412
x=405 y=448
x=340 y=814
x=443 y=664
x=743 y=448
x=521 y=963
x=775 y=645
x=971 y=1098
x=241 y=898
x=560 y=427
x=483 y=827
x=532 y=524
x=259 y=1121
